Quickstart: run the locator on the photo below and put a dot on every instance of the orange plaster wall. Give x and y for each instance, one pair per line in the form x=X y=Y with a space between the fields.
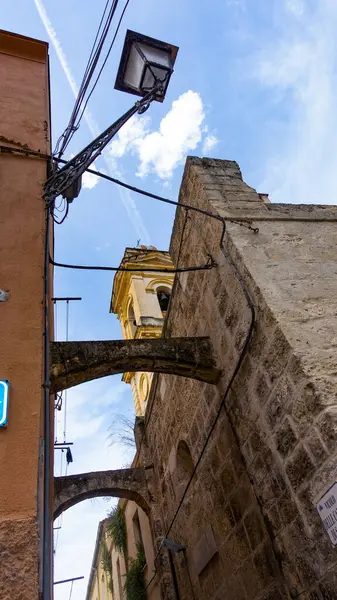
x=24 y=119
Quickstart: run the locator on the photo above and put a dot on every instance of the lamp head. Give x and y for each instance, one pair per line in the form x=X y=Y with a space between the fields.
x=145 y=63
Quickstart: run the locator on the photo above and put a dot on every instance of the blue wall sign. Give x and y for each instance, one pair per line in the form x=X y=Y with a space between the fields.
x=4 y=388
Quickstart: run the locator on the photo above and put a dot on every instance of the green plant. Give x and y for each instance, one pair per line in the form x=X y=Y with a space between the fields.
x=111 y=586
x=106 y=558
x=134 y=586
x=116 y=529
x=106 y=563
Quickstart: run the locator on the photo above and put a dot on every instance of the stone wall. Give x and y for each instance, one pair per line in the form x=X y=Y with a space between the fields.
x=264 y=449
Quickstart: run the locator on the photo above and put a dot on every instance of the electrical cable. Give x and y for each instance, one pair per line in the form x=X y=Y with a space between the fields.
x=189 y=574
x=73 y=125
x=243 y=352
x=58 y=402
x=242 y=222
x=60 y=521
x=209 y=265
x=64 y=216
x=65 y=391
x=71 y=590
x=137 y=190
x=91 y=65
x=61 y=515
x=64 y=421
x=92 y=62
x=95 y=40
x=157 y=375
x=230 y=383
x=104 y=62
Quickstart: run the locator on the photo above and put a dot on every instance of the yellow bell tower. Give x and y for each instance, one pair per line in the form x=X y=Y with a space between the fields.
x=140 y=299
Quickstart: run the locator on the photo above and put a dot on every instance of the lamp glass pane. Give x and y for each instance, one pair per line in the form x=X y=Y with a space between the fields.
x=134 y=69
x=149 y=81
x=156 y=55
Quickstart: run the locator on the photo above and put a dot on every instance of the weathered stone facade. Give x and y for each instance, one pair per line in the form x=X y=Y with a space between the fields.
x=264 y=449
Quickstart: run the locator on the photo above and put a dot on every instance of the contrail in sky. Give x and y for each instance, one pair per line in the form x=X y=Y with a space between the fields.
x=125 y=195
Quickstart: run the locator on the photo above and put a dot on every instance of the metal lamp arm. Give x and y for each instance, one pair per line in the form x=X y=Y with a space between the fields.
x=62 y=179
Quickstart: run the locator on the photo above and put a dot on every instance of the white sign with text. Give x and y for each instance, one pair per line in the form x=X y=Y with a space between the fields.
x=327 y=510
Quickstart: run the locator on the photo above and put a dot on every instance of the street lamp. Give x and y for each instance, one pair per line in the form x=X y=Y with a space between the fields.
x=145 y=62
x=145 y=69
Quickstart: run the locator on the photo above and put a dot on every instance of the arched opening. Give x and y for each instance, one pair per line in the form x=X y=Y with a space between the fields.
x=100 y=493
x=121 y=483
x=164 y=295
x=132 y=323
x=103 y=595
x=184 y=464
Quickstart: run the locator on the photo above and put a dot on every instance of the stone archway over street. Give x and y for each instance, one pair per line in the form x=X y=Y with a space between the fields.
x=72 y=363
x=121 y=483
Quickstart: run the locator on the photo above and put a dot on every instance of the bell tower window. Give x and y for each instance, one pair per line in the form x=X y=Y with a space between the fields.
x=132 y=320
x=163 y=296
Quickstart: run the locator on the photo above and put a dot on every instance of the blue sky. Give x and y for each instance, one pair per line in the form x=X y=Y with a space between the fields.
x=254 y=82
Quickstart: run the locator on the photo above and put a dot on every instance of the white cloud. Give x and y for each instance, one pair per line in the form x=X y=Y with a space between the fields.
x=287 y=65
x=300 y=65
x=161 y=151
x=89 y=180
x=210 y=142
x=296 y=7
x=83 y=427
x=236 y=3
x=130 y=136
x=179 y=132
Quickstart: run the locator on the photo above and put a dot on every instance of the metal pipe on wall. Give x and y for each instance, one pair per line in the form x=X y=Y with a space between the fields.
x=47 y=447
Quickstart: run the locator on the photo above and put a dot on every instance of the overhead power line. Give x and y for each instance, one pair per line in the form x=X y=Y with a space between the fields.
x=243 y=221
x=104 y=62
x=93 y=60
x=95 y=52
x=209 y=265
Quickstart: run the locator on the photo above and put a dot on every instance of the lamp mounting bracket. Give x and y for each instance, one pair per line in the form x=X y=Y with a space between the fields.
x=64 y=178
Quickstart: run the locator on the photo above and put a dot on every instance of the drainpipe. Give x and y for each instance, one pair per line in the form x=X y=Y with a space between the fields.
x=47 y=456
x=174 y=575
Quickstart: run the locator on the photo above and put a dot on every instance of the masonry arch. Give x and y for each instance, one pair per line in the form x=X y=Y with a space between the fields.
x=121 y=483
x=72 y=363
x=154 y=284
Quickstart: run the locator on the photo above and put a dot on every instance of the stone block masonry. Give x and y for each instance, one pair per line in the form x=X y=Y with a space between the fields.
x=272 y=450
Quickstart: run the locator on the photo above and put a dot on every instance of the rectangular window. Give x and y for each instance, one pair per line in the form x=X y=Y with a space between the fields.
x=137 y=532
x=102 y=588
x=120 y=587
